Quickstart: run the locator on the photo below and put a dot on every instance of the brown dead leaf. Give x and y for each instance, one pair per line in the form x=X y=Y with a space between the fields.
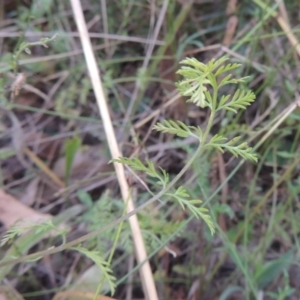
x=83 y=286
x=29 y=196
x=9 y=293
x=12 y=210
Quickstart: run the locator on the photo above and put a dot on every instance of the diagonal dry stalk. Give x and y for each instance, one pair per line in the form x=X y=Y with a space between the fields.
x=141 y=255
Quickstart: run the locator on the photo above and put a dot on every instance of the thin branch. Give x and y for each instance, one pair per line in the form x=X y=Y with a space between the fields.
x=145 y=270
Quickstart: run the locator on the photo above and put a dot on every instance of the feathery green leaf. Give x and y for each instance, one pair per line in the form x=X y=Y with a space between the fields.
x=178 y=128
x=149 y=169
x=181 y=195
x=242 y=150
x=17 y=229
x=226 y=68
x=103 y=265
x=227 y=80
x=240 y=100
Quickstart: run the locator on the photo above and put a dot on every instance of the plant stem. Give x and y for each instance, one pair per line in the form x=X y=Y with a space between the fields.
x=99 y=288
x=208 y=127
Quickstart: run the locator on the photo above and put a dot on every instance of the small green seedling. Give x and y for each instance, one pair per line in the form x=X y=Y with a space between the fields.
x=201 y=83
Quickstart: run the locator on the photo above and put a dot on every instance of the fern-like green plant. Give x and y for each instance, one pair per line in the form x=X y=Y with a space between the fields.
x=201 y=83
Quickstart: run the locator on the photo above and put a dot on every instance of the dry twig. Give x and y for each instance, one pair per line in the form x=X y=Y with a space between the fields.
x=145 y=270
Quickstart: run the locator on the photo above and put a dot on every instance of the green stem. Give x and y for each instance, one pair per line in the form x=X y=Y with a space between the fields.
x=208 y=127
x=23 y=46
x=99 y=288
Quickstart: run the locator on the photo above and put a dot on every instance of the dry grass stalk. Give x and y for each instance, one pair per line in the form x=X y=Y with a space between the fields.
x=145 y=270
